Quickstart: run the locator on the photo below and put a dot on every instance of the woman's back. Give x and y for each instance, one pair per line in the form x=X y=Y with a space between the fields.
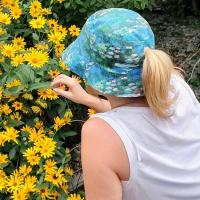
x=164 y=154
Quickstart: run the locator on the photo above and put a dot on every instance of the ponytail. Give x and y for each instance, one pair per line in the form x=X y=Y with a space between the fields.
x=156 y=75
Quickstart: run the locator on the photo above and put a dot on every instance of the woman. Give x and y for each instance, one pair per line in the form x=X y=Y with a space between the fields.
x=144 y=142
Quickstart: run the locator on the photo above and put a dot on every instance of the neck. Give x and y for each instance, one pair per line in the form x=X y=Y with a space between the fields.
x=127 y=101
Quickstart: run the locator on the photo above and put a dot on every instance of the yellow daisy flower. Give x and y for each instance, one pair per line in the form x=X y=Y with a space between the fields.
x=8 y=50
x=74 y=31
x=37 y=23
x=91 y=111
x=35 y=8
x=55 y=177
x=27 y=96
x=69 y=171
x=53 y=73
x=6 y=109
x=5 y=18
x=74 y=197
x=49 y=165
x=14 y=182
x=11 y=134
x=19 y=43
x=46 y=147
x=3 y=158
x=17 y=60
x=17 y=105
x=16 y=12
x=36 y=110
x=58 y=123
x=36 y=58
x=55 y=37
x=31 y=156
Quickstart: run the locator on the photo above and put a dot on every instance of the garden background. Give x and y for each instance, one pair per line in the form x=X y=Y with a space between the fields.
x=40 y=132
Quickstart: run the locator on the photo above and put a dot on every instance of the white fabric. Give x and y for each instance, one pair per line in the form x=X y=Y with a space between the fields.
x=164 y=154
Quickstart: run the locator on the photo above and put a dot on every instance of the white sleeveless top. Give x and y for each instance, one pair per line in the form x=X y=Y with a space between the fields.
x=164 y=154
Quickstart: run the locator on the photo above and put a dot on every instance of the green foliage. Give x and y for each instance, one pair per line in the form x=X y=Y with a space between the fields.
x=77 y=11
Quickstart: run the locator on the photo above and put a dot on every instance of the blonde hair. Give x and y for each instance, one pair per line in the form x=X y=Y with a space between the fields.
x=157 y=70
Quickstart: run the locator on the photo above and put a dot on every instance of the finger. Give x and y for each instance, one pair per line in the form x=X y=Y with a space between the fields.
x=63 y=93
x=61 y=81
x=61 y=76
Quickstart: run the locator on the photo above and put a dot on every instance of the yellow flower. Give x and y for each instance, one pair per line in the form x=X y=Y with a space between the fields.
x=26 y=128
x=46 y=147
x=41 y=46
x=3 y=158
x=42 y=103
x=11 y=134
x=47 y=94
x=60 y=1
x=5 y=18
x=69 y=171
x=17 y=60
x=20 y=195
x=75 y=197
x=15 y=12
x=3 y=179
x=14 y=182
x=36 y=110
x=74 y=31
x=52 y=23
x=91 y=111
x=31 y=156
x=6 y=109
x=36 y=58
x=34 y=135
x=59 y=48
x=29 y=184
x=24 y=170
x=49 y=165
x=2 y=31
x=19 y=43
x=2 y=139
x=37 y=23
x=27 y=96
x=53 y=73
x=76 y=78
x=46 y=11
x=55 y=37
x=55 y=177
x=44 y=192
x=63 y=66
x=35 y=8
x=8 y=50
x=15 y=116
x=39 y=125
x=14 y=83
x=17 y=105
x=58 y=123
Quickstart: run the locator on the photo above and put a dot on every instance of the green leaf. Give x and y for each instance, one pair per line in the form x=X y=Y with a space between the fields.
x=40 y=85
x=14 y=90
x=67 y=5
x=35 y=37
x=68 y=134
x=12 y=153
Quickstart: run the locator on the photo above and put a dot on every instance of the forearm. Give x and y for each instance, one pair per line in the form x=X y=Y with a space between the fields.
x=98 y=104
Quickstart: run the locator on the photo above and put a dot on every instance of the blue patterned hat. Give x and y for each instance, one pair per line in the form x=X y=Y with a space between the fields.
x=109 y=52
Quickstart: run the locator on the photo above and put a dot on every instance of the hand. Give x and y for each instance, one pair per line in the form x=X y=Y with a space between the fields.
x=74 y=93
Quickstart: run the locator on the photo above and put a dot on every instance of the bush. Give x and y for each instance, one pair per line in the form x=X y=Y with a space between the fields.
x=35 y=155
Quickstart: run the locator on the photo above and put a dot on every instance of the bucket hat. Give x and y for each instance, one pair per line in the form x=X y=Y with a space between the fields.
x=109 y=52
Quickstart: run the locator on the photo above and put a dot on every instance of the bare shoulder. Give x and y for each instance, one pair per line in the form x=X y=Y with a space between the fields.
x=102 y=138
x=99 y=161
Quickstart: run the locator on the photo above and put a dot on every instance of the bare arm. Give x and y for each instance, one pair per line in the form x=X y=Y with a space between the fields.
x=78 y=95
x=99 y=159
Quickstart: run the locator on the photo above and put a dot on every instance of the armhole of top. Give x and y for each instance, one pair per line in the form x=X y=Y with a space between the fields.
x=130 y=147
